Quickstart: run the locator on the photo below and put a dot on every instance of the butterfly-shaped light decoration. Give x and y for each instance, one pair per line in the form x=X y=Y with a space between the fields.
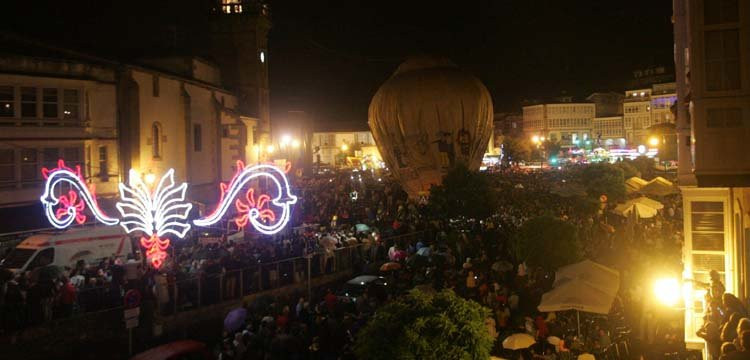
x=157 y=214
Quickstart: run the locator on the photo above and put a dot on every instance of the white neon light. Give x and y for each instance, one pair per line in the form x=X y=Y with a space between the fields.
x=162 y=212
x=61 y=175
x=284 y=198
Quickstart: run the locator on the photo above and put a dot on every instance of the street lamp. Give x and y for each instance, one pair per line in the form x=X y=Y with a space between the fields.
x=344 y=147
x=270 y=149
x=535 y=139
x=653 y=141
x=285 y=140
x=295 y=144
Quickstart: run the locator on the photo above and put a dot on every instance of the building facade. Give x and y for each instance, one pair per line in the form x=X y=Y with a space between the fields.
x=331 y=147
x=568 y=123
x=712 y=62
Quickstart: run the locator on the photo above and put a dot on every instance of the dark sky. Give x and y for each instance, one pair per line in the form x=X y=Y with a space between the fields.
x=329 y=57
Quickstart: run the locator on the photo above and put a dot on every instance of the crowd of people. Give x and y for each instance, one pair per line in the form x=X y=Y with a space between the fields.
x=364 y=213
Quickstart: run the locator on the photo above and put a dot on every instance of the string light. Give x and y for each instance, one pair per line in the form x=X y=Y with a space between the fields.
x=74 y=211
x=284 y=198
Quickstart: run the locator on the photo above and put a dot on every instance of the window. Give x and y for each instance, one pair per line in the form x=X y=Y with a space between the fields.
x=156 y=140
x=28 y=102
x=29 y=166
x=720 y=12
x=722 y=60
x=50 y=157
x=7 y=168
x=7 y=101
x=197 y=137
x=724 y=118
x=155 y=85
x=103 y=165
x=72 y=156
x=226 y=131
x=49 y=105
x=71 y=104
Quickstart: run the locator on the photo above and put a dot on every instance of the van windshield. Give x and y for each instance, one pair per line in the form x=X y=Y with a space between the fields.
x=17 y=258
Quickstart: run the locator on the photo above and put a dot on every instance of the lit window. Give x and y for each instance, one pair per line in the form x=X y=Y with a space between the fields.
x=6 y=101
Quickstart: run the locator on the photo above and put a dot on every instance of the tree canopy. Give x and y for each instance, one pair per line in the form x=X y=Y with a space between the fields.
x=602 y=179
x=464 y=193
x=426 y=326
x=546 y=242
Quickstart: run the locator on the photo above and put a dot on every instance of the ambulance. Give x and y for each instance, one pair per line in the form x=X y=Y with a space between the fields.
x=65 y=248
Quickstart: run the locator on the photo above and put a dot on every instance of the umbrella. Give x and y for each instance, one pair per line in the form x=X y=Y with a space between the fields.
x=595 y=274
x=235 y=319
x=362 y=228
x=586 y=356
x=390 y=266
x=634 y=184
x=659 y=186
x=576 y=295
x=518 y=341
x=553 y=340
x=642 y=206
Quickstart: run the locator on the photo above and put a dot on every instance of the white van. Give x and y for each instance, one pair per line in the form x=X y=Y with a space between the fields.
x=66 y=248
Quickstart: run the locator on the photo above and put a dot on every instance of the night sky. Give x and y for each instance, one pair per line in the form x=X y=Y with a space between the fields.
x=329 y=57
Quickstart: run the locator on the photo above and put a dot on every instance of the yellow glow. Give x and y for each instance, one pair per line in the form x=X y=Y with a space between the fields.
x=295 y=143
x=653 y=141
x=285 y=140
x=344 y=147
x=668 y=291
x=535 y=139
x=150 y=178
x=270 y=149
x=542 y=138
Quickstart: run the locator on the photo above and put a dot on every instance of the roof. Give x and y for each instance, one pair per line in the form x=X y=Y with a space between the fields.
x=170 y=350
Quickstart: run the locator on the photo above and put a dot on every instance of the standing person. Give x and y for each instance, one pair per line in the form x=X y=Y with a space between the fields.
x=711 y=334
x=68 y=296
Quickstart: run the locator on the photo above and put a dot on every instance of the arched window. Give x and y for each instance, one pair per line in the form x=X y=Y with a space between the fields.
x=156 y=140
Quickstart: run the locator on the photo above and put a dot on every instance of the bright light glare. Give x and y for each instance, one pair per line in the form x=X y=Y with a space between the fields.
x=667 y=291
x=535 y=138
x=150 y=178
x=285 y=140
x=344 y=147
x=295 y=143
x=653 y=141
x=270 y=149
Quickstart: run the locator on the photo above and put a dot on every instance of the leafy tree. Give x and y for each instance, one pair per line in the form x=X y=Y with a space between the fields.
x=426 y=326
x=515 y=149
x=602 y=179
x=464 y=193
x=645 y=167
x=628 y=170
x=546 y=242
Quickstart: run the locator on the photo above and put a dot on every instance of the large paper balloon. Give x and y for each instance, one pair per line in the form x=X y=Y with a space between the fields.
x=429 y=116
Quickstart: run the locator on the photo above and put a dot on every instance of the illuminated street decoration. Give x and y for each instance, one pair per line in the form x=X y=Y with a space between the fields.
x=284 y=198
x=156 y=214
x=164 y=211
x=266 y=215
x=70 y=207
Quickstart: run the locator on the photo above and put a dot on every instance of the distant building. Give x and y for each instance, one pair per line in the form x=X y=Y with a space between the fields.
x=644 y=108
x=569 y=123
x=333 y=144
x=606 y=103
x=713 y=124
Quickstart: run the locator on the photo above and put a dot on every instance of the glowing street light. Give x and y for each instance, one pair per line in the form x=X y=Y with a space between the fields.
x=150 y=178
x=344 y=147
x=270 y=149
x=285 y=140
x=653 y=141
x=295 y=144
x=667 y=291
x=535 y=139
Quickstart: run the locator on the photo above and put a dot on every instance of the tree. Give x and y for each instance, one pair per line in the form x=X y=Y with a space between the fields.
x=515 y=149
x=463 y=193
x=426 y=326
x=602 y=179
x=628 y=170
x=645 y=167
x=546 y=242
